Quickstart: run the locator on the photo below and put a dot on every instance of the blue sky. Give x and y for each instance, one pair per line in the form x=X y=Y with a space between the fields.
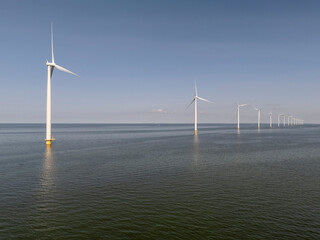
x=138 y=59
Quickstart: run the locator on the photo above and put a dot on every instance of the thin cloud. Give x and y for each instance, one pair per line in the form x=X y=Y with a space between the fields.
x=158 y=110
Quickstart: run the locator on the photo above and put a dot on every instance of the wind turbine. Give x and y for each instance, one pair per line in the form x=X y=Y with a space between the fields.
x=238 y=113
x=279 y=115
x=292 y=120
x=259 y=113
x=270 y=118
x=195 y=100
x=51 y=65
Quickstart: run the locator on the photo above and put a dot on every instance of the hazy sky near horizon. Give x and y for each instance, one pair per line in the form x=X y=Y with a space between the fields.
x=138 y=60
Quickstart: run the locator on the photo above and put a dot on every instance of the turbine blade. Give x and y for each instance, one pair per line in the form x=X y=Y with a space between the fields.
x=195 y=87
x=51 y=71
x=52 y=55
x=65 y=70
x=190 y=103
x=242 y=105
x=205 y=100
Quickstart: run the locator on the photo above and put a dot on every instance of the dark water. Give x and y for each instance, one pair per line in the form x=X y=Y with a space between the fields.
x=159 y=182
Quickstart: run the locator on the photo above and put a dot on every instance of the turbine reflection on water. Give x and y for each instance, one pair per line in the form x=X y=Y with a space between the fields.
x=195 y=150
x=47 y=179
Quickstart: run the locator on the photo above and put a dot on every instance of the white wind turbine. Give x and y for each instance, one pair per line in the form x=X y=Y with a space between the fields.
x=270 y=118
x=300 y=121
x=51 y=65
x=259 y=113
x=195 y=100
x=238 y=113
x=279 y=115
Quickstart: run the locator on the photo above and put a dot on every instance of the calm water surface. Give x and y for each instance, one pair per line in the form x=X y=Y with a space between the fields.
x=159 y=182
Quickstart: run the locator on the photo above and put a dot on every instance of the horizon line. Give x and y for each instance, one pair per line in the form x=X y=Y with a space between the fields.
x=275 y=123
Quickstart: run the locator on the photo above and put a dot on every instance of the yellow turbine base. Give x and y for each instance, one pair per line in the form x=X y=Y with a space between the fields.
x=48 y=142
x=195 y=132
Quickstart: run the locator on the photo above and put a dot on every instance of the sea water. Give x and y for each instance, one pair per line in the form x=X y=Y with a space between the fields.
x=159 y=181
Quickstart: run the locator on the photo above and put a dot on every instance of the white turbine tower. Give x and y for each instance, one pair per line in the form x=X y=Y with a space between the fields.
x=292 y=121
x=195 y=100
x=259 y=113
x=51 y=65
x=270 y=118
x=279 y=115
x=238 y=113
